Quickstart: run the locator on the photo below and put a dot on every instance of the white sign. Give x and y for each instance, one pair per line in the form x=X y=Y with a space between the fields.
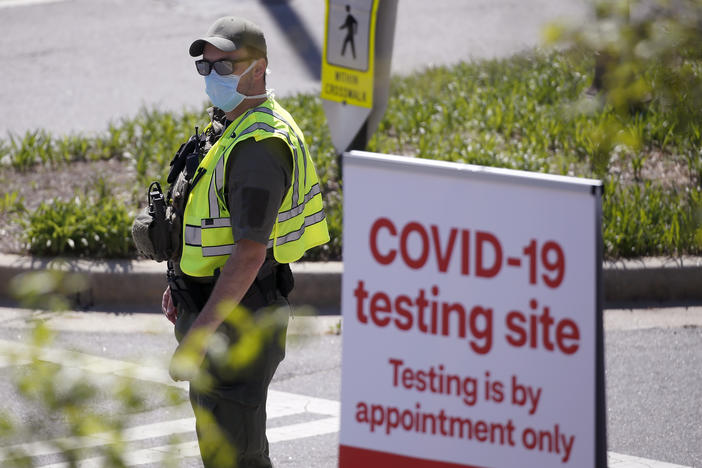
x=470 y=316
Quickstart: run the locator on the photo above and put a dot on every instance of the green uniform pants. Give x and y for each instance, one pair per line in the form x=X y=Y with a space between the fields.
x=230 y=414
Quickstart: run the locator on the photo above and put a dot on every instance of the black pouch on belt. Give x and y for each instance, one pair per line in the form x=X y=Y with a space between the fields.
x=284 y=279
x=180 y=292
x=274 y=278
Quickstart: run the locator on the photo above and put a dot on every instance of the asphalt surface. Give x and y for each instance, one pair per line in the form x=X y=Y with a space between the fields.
x=652 y=381
x=652 y=371
x=76 y=65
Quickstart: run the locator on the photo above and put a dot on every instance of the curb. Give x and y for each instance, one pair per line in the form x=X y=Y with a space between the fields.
x=140 y=283
x=653 y=281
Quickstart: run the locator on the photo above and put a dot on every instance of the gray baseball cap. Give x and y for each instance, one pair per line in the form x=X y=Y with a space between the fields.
x=231 y=33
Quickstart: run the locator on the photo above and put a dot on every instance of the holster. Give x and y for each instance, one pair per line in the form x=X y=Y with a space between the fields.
x=179 y=291
x=284 y=279
x=273 y=278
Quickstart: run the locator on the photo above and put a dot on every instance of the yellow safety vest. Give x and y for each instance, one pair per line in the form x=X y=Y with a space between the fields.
x=301 y=223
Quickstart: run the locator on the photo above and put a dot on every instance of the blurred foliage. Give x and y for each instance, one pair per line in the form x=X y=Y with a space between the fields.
x=648 y=52
x=80 y=412
x=647 y=71
x=64 y=395
x=49 y=289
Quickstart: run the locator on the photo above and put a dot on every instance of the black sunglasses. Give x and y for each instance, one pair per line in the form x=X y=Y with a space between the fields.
x=222 y=67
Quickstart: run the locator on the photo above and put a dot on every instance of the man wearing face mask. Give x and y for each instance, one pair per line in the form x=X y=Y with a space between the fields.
x=252 y=206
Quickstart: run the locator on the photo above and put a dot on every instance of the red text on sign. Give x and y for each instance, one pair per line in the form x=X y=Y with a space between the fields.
x=430 y=242
x=542 y=330
x=426 y=315
x=473 y=252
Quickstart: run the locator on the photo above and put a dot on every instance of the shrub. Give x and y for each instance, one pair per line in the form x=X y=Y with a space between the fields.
x=92 y=227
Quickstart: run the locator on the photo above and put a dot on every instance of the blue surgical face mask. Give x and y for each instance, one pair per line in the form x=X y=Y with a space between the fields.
x=222 y=90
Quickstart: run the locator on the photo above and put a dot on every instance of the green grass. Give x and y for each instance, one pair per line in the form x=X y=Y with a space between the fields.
x=527 y=112
x=11 y=202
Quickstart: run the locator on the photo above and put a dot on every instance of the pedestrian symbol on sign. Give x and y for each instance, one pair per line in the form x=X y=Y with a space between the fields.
x=351 y=26
x=348 y=34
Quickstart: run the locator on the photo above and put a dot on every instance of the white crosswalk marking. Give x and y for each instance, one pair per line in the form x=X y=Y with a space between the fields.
x=132 y=434
x=327 y=425
x=617 y=460
x=19 y=3
x=280 y=404
x=89 y=363
x=190 y=449
x=7 y=361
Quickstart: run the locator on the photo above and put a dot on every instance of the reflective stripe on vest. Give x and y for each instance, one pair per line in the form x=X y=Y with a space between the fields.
x=301 y=222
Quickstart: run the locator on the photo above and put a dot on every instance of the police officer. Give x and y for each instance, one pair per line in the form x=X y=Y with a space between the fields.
x=253 y=206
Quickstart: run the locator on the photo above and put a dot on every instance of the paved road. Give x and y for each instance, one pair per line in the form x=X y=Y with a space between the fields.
x=652 y=364
x=75 y=65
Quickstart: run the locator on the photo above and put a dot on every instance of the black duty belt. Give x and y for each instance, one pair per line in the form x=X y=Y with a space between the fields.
x=272 y=278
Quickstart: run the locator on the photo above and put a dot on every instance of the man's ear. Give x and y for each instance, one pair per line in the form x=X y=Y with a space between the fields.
x=260 y=68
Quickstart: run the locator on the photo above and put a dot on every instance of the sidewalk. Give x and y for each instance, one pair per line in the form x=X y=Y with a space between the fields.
x=140 y=284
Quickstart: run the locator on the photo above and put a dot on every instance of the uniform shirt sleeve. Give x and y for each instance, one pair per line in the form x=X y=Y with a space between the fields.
x=258 y=176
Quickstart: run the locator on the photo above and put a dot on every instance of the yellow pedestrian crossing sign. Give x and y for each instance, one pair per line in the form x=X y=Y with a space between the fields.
x=358 y=43
x=349 y=52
